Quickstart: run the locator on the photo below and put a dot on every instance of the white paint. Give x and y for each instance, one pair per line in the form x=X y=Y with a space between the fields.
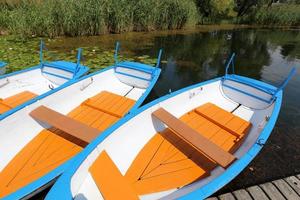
x=124 y=144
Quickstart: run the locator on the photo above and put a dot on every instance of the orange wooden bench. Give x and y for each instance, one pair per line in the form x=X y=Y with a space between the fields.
x=109 y=180
x=224 y=119
x=167 y=161
x=15 y=100
x=199 y=142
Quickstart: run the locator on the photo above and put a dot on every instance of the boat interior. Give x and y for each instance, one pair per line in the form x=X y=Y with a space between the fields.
x=167 y=150
x=18 y=88
x=53 y=130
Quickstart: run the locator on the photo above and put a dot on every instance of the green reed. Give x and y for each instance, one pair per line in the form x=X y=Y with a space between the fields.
x=93 y=17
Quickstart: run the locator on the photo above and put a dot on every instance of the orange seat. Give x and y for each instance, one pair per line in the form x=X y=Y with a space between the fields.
x=3 y=107
x=168 y=162
x=15 y=100
x=110 y=103
x=226 y=120
x=109 y=179
x=50 y=148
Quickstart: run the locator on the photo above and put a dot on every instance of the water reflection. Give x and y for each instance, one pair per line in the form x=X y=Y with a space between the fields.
x=266 y=55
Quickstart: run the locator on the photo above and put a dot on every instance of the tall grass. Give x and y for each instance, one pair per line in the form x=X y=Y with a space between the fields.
x=93 y=17
x=277 y=15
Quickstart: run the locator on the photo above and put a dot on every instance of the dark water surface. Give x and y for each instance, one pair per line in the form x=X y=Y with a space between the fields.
x=194 y=56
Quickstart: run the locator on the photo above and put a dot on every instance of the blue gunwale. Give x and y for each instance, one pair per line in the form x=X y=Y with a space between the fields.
x=83 y=70
x=62 y=187
x=34 y=186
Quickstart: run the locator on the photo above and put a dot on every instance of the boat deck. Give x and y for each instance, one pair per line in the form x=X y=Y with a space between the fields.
x=51 y=147
x=281 y=189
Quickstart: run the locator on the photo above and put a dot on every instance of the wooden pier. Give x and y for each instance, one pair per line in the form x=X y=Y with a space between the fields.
x=281 y=189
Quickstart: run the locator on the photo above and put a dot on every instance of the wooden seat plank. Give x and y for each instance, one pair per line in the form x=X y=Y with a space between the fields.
x=70 y=126
x=199 y=142
x=109 y=180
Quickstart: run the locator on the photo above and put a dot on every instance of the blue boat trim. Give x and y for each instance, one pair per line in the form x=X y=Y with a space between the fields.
x=246 y=93
x=62 y=187
x=28 y=189
x=2 y=64
x=235 y=78
x=56 y=75
x=77 y=70
x=138 y=77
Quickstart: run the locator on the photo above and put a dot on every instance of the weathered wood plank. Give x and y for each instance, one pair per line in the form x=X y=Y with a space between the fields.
x=286 y=190
x=298 y=176
x=212 y=198
x=227 y=196
x=257 y=193
x=294 y=183
x=272 y=192
x=242 y=195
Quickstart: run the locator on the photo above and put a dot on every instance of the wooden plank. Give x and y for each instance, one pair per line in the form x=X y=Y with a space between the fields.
x=242 y=195
x=294 y=183
x=212 y=198
x=71 y=127
x=298 y=176
x=272 y=192
x=199 y=142
x=257 y=193
x=227 y=196
x=286 y=190
x=109 y=180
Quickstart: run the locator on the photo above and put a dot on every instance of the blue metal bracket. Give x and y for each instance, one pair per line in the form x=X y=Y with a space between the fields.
x=78 y=61
x=285 y=82
x=41 y=52
x=2 y=64
x=159 y=58
x=230 y=62
x=116 y=53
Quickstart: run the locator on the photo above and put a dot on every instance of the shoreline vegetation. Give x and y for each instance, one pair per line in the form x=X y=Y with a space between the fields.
x=53 y=18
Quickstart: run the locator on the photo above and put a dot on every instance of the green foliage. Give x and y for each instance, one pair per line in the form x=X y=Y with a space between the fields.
x=213 y=11
x=93 y=17
x=281 y=15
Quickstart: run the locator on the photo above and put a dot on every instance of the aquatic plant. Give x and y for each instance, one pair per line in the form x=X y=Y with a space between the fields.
x=21 y=54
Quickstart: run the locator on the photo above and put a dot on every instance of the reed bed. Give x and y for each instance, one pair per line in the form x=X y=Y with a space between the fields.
x=93 y=17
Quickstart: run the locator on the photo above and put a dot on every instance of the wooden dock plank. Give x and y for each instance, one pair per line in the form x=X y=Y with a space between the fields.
x=212 y=198
x=227 y=196
x=298 y=176
x=286 y=190
x=272 y=192
x=294 y=183
x=257 y=193
x=242 y=195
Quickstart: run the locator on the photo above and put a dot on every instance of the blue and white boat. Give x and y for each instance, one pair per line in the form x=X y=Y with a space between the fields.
x=38 y=141
x=185 y=145
x=21 y=87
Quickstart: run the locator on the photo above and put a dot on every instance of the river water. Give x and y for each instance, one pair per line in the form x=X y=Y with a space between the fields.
x=192 y=56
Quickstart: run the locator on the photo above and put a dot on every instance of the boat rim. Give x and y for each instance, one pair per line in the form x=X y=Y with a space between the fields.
x=63 y=185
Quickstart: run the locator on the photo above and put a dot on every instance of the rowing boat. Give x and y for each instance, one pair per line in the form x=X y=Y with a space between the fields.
x=19 y=88
x=38 y=141
x=185 y=145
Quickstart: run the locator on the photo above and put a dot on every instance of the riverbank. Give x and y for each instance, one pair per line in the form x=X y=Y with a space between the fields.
x=53 y=18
